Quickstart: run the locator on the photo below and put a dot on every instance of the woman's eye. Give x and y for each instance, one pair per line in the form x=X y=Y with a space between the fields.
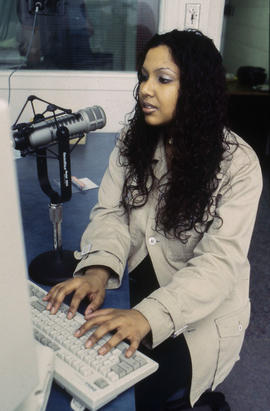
x=164 y=80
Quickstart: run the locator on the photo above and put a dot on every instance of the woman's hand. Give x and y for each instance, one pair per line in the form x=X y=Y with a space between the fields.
x=91 y=285
x=127 y=324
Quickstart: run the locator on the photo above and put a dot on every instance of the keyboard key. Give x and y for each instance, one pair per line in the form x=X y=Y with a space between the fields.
x=112 y=376
x=130 y=361
x=126 y=366
x=101 y=383
x=118 y=370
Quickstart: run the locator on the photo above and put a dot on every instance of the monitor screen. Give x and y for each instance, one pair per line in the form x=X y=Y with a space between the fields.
x=18 y=365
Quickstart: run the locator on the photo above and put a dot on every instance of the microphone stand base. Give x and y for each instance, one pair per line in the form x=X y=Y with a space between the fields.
x=52 y=267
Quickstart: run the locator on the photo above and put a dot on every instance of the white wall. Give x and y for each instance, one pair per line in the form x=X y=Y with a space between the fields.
x=210 y=21
x=111 y=90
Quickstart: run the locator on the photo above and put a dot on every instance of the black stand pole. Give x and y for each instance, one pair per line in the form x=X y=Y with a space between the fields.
x=57 y=265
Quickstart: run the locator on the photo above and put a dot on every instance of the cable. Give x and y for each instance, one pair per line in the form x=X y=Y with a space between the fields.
x=38 y=5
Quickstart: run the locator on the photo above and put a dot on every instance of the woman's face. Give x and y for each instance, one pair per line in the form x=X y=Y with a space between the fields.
x=159 y=87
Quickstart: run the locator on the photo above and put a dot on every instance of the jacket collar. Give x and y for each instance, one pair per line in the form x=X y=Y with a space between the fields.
x=159 y=160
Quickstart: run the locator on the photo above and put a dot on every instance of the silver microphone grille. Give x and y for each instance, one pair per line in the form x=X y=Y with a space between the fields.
x=96 y=117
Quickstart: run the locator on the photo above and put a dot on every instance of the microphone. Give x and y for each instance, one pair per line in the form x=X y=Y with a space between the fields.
x=44 y=132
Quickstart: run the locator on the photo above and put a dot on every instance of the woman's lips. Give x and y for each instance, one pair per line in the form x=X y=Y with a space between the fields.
x=148 y=108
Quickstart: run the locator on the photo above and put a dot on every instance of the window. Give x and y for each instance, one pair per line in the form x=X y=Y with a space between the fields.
x=75 y=34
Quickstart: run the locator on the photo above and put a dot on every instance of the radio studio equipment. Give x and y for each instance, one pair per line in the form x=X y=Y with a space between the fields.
x=55 y=126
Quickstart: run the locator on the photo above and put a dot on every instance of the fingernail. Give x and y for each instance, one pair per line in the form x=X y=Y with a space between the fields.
x=49 y=306
x=88 y=344
x=128 y=354
x=89 y=311
x=70 y=315
x=77 y=333
x=53 y=310
x=102 y=350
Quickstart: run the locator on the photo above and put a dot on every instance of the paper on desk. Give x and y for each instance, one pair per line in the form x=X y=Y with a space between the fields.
x=88 y=185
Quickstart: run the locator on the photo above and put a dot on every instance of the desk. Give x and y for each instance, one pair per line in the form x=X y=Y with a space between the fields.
x=89 y=160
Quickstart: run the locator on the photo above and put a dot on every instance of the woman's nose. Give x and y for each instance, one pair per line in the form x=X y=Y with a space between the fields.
x=147 y=88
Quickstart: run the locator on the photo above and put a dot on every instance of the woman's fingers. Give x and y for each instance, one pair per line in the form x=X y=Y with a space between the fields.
x=132 y=348
x=99 y=313
x=96 y=299
x=126 y=324
x=82 y=287
x=116 y=339
x=78 y=296
x=96 y=320
x=56 y=295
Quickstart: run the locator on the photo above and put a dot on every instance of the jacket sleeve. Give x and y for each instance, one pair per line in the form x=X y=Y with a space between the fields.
x=219 y=260
x=106 y=240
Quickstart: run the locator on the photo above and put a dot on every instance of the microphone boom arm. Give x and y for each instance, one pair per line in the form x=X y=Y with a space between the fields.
x=63 y=155
x=35 y=138
x=64 y=169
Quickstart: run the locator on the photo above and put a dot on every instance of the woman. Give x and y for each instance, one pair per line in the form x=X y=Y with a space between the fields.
x=178 y=204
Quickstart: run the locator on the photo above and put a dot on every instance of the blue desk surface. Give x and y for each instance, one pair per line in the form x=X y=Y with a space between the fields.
x=88 y=160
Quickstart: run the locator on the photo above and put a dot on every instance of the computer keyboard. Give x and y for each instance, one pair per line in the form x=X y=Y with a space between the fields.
x=89 y=377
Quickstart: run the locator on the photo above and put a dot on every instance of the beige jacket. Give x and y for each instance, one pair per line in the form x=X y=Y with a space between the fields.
x=204 y=284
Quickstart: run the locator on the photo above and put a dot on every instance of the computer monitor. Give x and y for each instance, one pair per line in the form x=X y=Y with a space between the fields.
x=18 y=358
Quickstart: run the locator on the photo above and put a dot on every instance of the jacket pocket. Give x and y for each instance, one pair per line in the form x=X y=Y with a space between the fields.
x=231 y=331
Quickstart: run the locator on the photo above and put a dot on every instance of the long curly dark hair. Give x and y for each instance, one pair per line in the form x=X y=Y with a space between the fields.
x=186 y=197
